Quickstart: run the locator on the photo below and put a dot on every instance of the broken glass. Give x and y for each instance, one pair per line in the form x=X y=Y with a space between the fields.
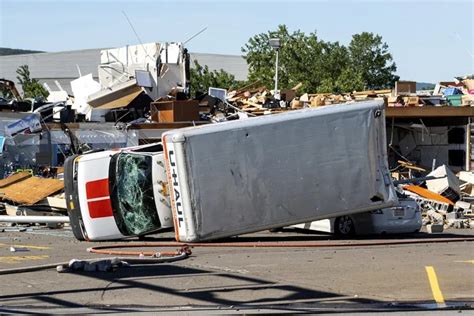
x=131 y=188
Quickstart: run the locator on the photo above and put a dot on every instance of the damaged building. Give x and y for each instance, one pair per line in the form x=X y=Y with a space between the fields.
x=63 y=67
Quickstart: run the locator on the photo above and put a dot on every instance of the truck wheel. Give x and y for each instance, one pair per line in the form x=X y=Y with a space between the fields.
x=77 y=226
x=344 y=226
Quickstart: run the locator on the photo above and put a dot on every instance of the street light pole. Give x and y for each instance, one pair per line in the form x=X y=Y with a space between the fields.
x=275 y=44
x=276 y=93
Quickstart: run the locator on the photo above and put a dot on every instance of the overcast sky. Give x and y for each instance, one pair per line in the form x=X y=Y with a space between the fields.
x=430 y=40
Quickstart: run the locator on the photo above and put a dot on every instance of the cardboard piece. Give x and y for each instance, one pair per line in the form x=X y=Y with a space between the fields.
x=405 y=87
x=467 y=100
x=288 y=94
x=175 y=111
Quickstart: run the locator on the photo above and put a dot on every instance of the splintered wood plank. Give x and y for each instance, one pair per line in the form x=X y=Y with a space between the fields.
x=372 y=92
x=14 y=178
x=427 y=194
x=31 y=190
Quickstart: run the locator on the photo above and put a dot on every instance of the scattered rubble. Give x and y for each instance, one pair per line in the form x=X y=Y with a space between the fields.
x=442 y=200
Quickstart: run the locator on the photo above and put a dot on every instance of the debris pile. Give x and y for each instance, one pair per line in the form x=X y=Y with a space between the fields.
x=452 y=93
x=445 y=198
x=255 y=99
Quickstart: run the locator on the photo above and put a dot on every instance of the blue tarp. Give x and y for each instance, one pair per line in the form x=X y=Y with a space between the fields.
x=452 y=91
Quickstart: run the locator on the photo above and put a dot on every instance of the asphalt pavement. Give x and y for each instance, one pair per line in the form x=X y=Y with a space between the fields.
x=349 y=277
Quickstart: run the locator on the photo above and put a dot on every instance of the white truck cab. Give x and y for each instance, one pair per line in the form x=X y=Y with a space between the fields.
x=118 y=193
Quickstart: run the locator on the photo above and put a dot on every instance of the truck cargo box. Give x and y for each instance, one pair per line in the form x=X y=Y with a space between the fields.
x=244 y=176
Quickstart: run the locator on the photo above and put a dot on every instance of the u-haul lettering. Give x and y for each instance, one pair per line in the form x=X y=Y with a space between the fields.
x=176 y=190
x=179 y=191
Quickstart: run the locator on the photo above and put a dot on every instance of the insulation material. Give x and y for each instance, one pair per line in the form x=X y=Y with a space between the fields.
x=272 y=171
x=31 y=190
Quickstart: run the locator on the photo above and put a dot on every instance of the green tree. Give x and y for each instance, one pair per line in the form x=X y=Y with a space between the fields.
x=298 y=56
x=31 y=87
x=349 y=80
x=321 y=66
x=202 y=78
x=371 y=58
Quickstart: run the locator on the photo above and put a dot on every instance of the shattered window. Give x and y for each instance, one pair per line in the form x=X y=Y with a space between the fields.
x=131 y=188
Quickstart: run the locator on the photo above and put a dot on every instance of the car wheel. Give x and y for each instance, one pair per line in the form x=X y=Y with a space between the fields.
x=344 y=226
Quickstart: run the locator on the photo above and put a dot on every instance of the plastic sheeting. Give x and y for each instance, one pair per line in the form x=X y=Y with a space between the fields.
x=51 y=147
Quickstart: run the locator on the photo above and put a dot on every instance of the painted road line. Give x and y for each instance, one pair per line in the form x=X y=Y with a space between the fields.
x=26 y=246
x=438 y=296
x=15 y=259
x=466 y=261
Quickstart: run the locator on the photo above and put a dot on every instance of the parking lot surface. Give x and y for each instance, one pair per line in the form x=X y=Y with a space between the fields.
x=335 y=279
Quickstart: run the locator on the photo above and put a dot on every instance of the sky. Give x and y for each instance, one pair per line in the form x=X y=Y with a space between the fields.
x=430 y=41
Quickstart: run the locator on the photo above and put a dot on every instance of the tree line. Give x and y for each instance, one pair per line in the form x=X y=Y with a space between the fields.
x=321 y=66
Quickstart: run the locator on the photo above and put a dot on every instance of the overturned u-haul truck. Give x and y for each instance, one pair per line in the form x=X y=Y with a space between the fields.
x=245 y=176
x=236 y=177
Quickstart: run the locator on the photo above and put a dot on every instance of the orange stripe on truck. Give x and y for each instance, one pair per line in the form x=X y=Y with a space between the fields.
x=100 y=208
x=98 y=198
x=97 y=189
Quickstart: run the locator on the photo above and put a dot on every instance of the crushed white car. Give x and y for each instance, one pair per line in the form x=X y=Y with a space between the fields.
x=404 y=218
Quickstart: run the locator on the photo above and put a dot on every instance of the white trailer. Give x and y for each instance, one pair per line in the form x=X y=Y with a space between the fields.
x=272 y=171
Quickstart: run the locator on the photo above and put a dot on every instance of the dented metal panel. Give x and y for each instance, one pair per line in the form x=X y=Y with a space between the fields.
x=272 y=171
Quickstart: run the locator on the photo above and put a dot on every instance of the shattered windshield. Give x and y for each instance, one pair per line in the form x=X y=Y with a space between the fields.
x=132 y=196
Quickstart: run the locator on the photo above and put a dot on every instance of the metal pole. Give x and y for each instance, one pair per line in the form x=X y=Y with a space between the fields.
x=34 y=219
x=468 y=146
x=276 y=94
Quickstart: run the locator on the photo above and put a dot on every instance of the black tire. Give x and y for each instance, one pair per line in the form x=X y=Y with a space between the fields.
x=77 y=226
x=72 y=201
x=344 y=226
